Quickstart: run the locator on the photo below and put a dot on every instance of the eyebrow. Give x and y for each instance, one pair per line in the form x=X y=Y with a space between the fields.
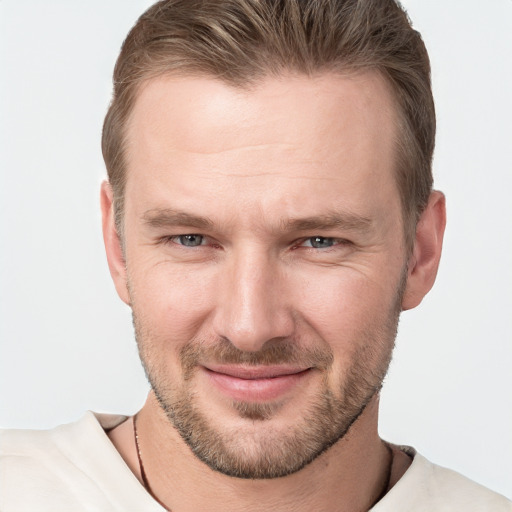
x=330 y=220
x=169 y=217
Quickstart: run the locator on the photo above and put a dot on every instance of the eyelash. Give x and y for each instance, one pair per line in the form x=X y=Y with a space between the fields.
x=335 y=242
x=300 y=243
x=173 y=239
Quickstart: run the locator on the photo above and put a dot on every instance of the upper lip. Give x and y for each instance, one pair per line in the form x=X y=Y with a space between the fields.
x=254 y=372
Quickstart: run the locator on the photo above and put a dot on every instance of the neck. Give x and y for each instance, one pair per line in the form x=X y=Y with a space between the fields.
x=350 y=476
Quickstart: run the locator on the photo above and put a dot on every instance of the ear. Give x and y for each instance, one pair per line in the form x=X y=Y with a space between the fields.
x=115 y=257
x=424 y=260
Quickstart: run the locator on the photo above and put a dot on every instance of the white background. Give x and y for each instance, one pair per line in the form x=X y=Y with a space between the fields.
x=66 y=339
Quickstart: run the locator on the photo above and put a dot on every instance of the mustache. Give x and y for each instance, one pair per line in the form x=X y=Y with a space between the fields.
x=274 y=352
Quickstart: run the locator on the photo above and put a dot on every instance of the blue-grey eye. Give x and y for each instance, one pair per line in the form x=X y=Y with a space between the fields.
x=320 y=242
x=190 y=240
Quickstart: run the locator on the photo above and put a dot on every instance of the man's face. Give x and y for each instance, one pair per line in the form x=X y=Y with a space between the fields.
x=265 y=260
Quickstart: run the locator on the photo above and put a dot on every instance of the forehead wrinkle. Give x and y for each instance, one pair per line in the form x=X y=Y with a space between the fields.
x=232 y=148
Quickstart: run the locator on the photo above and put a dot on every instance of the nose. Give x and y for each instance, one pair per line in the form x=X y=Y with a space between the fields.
x=252 y=303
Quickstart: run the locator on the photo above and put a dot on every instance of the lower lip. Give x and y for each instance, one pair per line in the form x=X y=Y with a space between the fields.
x=255 y=390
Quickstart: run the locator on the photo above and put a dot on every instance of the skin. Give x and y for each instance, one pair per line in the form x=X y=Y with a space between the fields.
x=267 y=167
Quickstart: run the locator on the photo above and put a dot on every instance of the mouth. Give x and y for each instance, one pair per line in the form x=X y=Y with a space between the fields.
x=253 y=383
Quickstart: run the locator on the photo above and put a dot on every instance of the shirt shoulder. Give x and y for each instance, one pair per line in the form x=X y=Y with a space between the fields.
x=426 y=486
x=71 y=467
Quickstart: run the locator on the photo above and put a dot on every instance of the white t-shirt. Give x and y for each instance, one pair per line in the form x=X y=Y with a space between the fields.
x=76 y=468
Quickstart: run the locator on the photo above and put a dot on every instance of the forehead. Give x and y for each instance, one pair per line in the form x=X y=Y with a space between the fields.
x=289 y=135
x=201 y=107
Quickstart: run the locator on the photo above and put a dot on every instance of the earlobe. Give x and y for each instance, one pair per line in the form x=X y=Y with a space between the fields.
x=424 y=260
x=113 y=248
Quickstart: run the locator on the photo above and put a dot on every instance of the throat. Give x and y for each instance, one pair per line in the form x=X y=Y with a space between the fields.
x=350 y=476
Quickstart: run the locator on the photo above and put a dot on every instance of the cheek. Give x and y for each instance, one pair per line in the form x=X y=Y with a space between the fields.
x=344 y=304
x=170 y=303
x=355 y=317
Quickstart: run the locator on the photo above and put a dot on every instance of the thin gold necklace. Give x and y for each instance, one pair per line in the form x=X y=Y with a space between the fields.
x=385 y=488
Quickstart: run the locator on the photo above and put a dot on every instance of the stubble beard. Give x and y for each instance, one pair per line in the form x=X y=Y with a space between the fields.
x=262 y=451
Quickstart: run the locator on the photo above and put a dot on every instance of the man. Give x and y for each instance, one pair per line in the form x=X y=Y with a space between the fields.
x=269 y=213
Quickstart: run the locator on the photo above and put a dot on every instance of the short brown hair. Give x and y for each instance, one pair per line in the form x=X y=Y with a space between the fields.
x=242 y=41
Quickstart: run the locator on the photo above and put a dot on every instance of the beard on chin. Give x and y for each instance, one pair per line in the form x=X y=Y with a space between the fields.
x=260 y=449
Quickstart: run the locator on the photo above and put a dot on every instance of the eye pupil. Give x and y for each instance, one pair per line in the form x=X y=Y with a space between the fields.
x=190 y=240
x=319 y=242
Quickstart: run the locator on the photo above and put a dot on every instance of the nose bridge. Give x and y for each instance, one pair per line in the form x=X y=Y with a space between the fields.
x=251 y=309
